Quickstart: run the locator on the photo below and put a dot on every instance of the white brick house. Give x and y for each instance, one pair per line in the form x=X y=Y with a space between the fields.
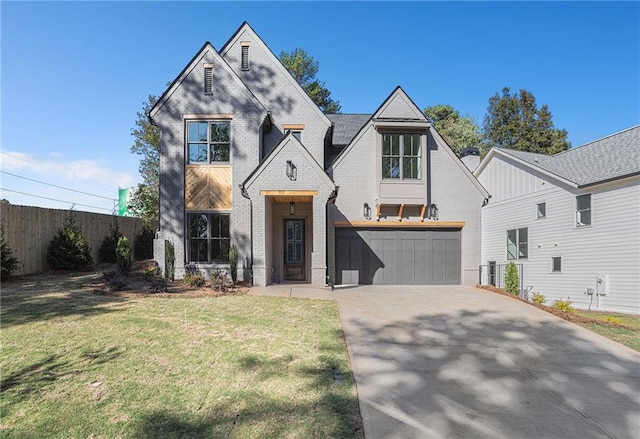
x=247 y=159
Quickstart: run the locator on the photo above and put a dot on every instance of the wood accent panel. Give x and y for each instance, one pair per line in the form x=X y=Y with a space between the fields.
x=424 y=207
x=293 y=126
x=405 y=224
x=400 y=210
x=288 y=193
x=208 y=116
x=208 y=187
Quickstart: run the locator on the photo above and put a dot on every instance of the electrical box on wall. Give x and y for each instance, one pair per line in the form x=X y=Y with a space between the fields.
x=602 y=284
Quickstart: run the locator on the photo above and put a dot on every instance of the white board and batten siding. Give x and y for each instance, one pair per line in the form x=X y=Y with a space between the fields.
x=608 y=249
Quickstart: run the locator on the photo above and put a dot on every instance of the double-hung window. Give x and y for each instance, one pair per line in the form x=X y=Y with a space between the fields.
x=209 y=237
x=401 y=156
x=517 y=244
x=583 y=210
x=208 y=142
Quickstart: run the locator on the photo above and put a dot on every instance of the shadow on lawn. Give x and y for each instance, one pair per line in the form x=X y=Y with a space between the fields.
x=43 y=297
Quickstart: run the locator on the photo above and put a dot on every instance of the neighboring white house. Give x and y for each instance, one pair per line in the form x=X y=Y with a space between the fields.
x=572 y=220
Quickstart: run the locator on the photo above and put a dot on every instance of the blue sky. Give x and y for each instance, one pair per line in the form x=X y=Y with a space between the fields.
x=74 y=74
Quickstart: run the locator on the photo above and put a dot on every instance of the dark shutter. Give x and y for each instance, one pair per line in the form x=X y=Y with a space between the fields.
x=208 y=80
x=245 y=57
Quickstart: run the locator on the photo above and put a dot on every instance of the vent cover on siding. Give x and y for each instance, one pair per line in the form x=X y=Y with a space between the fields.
x=244 y=63
x=208 y=79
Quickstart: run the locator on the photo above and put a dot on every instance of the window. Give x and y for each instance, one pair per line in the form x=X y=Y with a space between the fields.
x=208 y=80
x=517 y=244
x=556 y=264
x=541 y=210
x=583 y=210
x=208 y=142
x=401 y=156
x=297 y=134
x=244 y=64
x=208 y=237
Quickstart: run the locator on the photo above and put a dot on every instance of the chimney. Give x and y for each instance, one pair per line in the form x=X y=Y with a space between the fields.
x=470 y=157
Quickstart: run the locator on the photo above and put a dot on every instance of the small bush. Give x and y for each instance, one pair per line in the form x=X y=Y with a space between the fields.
x=143 y=244
x=107 y=250
x=169 y=261
x=8 y=262
x=563 y=306
x=193 y=277
x=153 y=272
x=612 y=319
x=538 y=298
x=511 y=281
x=233 y=262
x=221 y=282
x=115 y=280
x=123 y=254
x=153 y=275
x=69 y=249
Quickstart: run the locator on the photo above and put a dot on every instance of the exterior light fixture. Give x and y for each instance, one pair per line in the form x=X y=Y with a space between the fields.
x=366 y=211
x=292 y=208
x=292 y=171
x=433 y=212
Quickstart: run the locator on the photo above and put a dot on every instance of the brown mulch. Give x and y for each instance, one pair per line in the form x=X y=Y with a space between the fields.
x=570 y=317
x=138 y=283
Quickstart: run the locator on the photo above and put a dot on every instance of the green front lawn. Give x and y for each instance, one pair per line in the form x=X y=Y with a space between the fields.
x=623 y=328
x=78 y=364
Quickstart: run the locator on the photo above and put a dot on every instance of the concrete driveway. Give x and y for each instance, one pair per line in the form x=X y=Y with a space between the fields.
x=459 y=362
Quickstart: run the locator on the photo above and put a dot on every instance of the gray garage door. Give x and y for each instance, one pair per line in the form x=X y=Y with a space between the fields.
x=398 y=257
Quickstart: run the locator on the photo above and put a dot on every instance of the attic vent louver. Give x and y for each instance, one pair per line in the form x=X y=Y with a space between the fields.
x=208 y=80
x=245 y=57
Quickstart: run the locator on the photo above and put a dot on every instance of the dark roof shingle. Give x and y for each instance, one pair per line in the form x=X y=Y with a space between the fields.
x=346 y=126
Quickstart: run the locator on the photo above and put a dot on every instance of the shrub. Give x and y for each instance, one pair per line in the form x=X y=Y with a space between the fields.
x=511 y=280
x=107 y=250
x=221 y=282
x=8 y=262
x=613 y=320
x=563 y=306
x=153 y=275
x=193 y=277
x=538 y=298
x=123 y=254
x=115 y=280
x=169 y=261
x=143 y=244
x=233 y=262
x=69 y=249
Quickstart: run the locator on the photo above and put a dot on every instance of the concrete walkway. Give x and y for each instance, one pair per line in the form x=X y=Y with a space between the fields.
x=302 y=291
x=458 y=362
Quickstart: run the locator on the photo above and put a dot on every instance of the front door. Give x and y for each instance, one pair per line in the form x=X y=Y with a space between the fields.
x=294 y=263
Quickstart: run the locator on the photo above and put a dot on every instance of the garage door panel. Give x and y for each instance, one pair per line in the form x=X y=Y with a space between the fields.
x=387 y=256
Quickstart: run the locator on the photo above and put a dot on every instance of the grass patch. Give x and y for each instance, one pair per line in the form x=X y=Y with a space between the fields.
x=623 y=328
x=80 y=364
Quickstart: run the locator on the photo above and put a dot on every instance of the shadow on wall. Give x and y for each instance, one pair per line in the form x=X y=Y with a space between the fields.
x=509 y=387
x=356 y=262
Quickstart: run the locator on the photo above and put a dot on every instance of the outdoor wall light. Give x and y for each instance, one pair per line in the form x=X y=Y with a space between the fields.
x=366 y=211
x=433 y=212
x=292 y=171
x=292 y=208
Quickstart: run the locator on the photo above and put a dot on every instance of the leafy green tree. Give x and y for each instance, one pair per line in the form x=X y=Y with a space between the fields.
x=146 y=199
x=514 y=121
x=304 y=69
x=458 y=131
x=511 y=279
x=69 y=249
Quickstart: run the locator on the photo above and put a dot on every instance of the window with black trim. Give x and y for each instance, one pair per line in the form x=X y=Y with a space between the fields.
x=583 y=210
x=556 y=264
x=517 y=244
x=208 y=141
x=401 y=156
x=209 y=237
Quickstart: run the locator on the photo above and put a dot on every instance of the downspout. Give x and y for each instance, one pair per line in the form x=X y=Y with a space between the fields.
x=330 y=200
x=245 y=194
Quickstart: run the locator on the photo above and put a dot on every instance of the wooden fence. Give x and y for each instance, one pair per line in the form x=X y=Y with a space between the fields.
x=29 y=230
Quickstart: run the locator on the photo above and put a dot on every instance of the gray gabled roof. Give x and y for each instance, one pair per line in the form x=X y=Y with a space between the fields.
x=346 y=126
x=610 y=158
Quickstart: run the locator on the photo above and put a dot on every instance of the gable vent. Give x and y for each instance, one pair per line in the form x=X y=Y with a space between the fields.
x=208 y=80
x=244 y=63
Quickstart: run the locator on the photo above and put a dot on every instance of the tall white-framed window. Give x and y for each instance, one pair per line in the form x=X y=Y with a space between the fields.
x=208 y=142
x=401 y=156
x=583 y=210
x=517 y=244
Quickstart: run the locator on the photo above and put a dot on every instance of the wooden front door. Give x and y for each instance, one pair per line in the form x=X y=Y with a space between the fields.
x=294 y=263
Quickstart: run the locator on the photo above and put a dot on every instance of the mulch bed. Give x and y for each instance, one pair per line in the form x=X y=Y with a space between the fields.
x=570 y=317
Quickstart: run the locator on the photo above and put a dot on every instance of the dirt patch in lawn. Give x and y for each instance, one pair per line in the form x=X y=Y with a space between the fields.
x=568 y=316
